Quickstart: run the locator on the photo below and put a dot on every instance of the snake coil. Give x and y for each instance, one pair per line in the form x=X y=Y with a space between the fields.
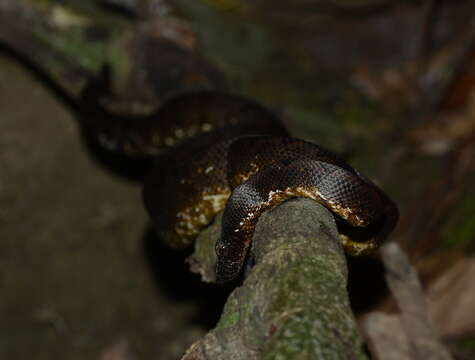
x=222 y=152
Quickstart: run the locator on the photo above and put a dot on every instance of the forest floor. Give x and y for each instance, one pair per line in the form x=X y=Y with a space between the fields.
x=75 y=282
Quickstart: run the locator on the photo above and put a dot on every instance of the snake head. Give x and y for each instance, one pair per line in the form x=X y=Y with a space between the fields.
x=230 y=259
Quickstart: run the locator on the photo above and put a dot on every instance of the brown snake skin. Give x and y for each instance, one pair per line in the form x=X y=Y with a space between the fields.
x=228 y=153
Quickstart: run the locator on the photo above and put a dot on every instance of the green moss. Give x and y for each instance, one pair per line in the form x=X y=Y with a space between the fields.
x=230 y=319
x=86 y=35
x=460 y=229
x=73 y=42
x=231 y=313
x=310 y=331
x=468 y=344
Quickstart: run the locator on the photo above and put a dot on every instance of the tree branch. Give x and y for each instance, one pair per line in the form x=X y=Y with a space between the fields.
x=52 y=39
x=293 y=303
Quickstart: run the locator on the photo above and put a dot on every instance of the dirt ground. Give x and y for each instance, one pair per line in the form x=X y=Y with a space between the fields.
x=80 y=272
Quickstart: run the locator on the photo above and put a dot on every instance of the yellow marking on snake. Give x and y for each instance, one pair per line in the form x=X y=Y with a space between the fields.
x=275 y=197
x=193 y=218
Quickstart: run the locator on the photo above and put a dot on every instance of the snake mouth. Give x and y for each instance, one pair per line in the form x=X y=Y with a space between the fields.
x=227 y=270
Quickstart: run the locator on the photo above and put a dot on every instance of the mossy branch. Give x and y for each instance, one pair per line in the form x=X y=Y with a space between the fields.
x=293 y=303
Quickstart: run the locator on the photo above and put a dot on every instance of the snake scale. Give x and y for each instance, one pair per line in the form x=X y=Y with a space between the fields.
x=217 y=152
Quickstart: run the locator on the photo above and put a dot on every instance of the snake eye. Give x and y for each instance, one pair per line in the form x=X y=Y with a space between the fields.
x=219 y=247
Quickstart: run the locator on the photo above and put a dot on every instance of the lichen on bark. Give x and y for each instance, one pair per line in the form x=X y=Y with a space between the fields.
x=293 y=303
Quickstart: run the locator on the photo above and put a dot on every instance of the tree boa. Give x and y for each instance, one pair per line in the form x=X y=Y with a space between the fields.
x=222 y=152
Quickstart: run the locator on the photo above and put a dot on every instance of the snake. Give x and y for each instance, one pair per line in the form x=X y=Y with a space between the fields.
x=218 y=152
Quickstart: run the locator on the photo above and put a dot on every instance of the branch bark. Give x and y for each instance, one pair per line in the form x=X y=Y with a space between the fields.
x=150 y=58
x=293 y=303
x=51 y=39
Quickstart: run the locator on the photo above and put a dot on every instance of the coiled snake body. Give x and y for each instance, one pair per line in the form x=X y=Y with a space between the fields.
x=230 y=153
